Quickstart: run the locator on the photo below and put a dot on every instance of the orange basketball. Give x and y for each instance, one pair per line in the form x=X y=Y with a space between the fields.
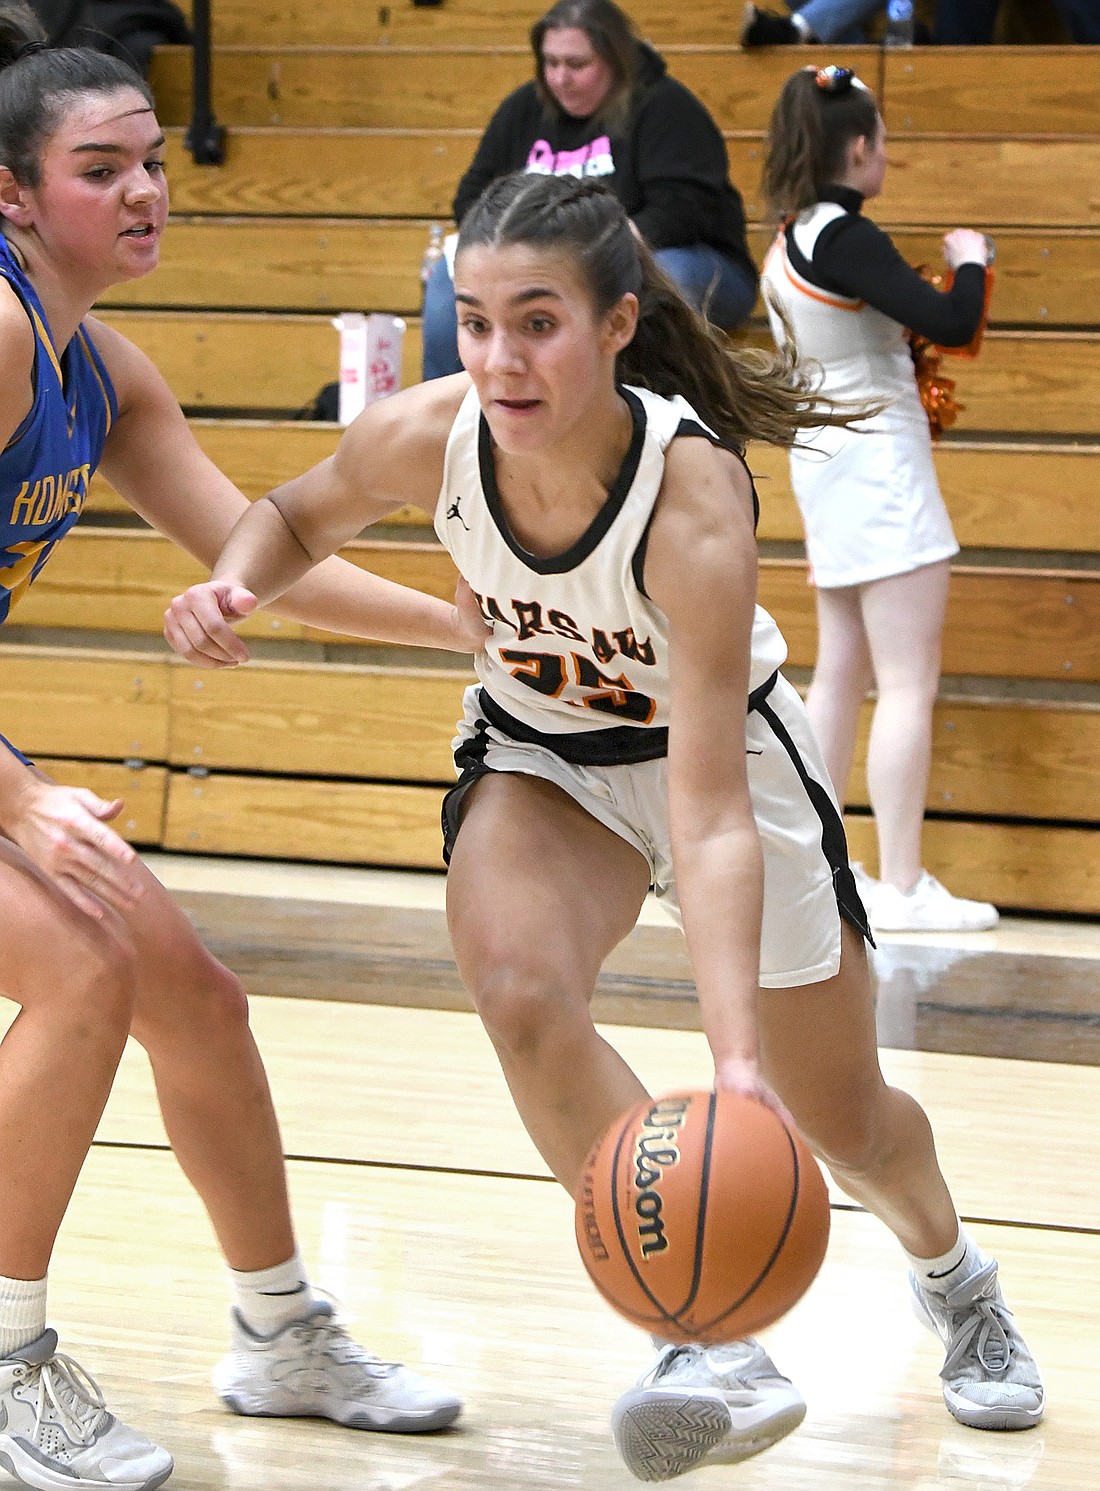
x=702 y=1216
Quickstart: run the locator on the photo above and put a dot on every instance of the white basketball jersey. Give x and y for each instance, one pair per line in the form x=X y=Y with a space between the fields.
x=577 y=645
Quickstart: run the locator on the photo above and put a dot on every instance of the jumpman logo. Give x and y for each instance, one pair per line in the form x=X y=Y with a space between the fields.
x=453 y=512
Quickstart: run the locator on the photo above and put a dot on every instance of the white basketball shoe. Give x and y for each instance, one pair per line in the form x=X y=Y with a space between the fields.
x=704 y=1405
x=990 y=1380
x=56 y=1433
x=313 y=1369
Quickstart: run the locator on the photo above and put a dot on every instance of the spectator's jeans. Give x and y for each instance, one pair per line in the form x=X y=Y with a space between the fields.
x=971 y=22
x=837 y=20
x=694 y=268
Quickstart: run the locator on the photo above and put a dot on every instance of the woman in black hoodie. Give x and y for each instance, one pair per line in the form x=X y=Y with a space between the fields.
x=602 y=104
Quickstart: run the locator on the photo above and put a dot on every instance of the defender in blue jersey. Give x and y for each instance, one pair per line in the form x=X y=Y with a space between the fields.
x=93 y=947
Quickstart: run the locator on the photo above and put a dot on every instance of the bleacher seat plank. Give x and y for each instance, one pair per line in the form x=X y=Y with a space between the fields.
x=1030 y=383
x=311 y=264
x=143 y=789
x=275 y=362
x=337 y=720
x=1001 y=495
x=1016 y=865
x=324 y=173
x=991 y=756
x=413 y=173
x=416 y=88
x=990 y=183
x=120 y=580
x=1025 y=866
x=992 y=90
x=1006 y=758
x=1002 y=622
x=71 y=701
x=257 y=454
x=1045 y=277
x=457 y=23
x=360 y=88
x=1026 y=382
x=366 y=823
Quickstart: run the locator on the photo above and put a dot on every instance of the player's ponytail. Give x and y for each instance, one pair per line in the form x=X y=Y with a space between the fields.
x=742 y=393
x=36 y=82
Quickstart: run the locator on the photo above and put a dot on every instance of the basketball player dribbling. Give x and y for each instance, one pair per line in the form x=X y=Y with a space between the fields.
x=93 y=946
x=631 y=729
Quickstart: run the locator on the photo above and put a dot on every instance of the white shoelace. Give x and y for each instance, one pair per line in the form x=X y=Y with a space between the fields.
x=73 y=1395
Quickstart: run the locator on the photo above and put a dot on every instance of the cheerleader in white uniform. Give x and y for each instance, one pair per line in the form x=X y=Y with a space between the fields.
x=878 y=535
x=631 y=729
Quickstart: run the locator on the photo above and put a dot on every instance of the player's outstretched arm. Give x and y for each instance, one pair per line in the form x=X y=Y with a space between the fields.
x=701 y=571
x=154 y=461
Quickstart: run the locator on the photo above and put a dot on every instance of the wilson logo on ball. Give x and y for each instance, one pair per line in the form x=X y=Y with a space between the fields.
x=657 y=1149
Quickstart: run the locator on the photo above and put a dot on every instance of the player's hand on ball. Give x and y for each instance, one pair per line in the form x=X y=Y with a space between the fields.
x=738 y=1074
x=198 y=623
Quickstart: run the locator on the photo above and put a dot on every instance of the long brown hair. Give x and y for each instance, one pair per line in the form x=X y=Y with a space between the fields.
x=818 y=113
x=38 y=82
x=742 y=393
x=611 y=35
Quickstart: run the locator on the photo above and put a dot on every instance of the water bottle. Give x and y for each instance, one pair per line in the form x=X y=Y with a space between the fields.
x=899 y=23
x=433 y=253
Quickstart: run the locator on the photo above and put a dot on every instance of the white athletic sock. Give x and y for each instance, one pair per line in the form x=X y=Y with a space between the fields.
x=941 y=1274
x=800 y=25
x=270 y=1298
x=22 y=1312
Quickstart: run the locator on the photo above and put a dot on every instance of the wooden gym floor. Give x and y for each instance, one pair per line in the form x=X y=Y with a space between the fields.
x=422 y=1205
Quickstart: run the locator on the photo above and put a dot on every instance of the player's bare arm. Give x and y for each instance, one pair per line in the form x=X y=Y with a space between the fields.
x=701 y=571
x=154 y=461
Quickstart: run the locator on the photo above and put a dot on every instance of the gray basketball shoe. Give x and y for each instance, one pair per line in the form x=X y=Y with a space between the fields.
x=313 y=1369
x=55 y=1430
x=990 y=1380
x=704 y=1405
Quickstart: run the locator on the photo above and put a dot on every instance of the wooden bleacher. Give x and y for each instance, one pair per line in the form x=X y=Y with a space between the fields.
x=348 y=129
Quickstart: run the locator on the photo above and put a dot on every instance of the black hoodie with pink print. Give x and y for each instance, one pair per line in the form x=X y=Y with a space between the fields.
x=667 y=165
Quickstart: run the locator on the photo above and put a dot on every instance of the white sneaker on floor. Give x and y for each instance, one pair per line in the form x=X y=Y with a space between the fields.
x=928 y=907
x=56 y=1433
x=313 y=1369
x=704 y=1405
x=990 y=1380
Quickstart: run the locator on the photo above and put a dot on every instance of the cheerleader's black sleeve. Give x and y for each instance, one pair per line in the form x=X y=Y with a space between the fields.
x=854 y=257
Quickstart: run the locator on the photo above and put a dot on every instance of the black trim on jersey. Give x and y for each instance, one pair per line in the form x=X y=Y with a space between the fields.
x=472 y=766
x=14 y=749
x=690 y=427
x=834 y=846
x=619 y=745
x=470 y=761
x=577 y=553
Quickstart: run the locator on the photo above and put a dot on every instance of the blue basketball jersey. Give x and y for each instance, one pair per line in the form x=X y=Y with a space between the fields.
x=47 y=464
